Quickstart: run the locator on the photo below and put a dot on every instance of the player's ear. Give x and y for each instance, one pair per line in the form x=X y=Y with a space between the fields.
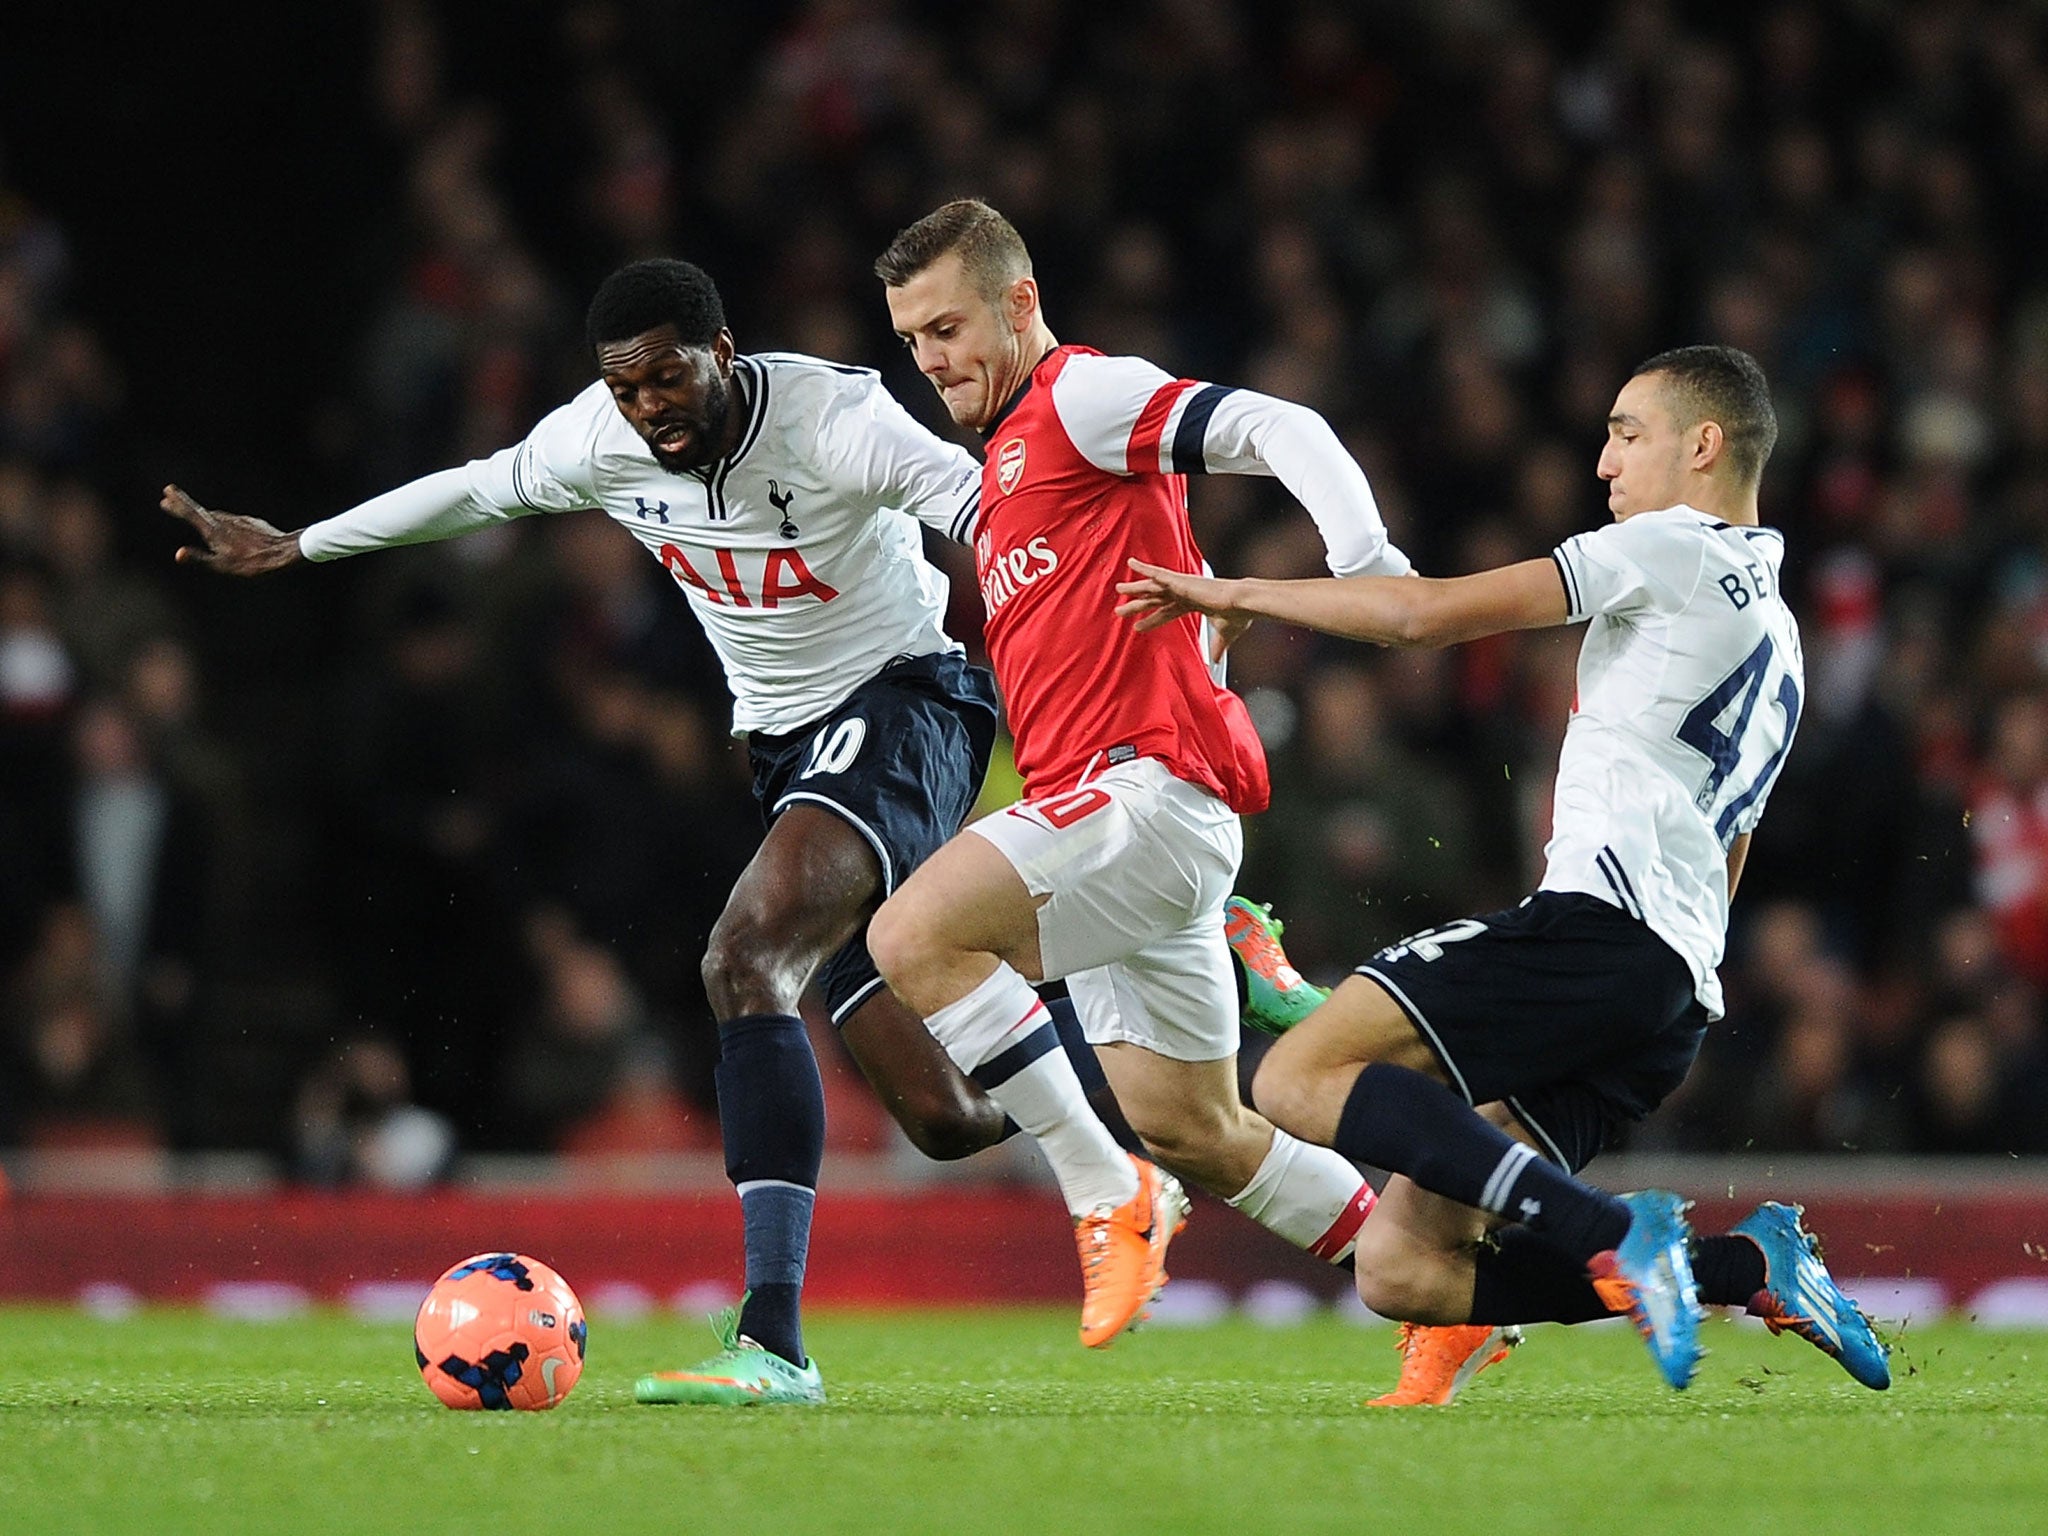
x=1709 y=445
x=1023 y=303
x=722 y=349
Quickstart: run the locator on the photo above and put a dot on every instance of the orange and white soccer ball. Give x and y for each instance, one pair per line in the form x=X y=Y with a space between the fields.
x=500 y=1330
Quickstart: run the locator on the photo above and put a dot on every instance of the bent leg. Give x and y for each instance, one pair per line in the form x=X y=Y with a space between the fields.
x=1358 y=1076
x=803 y=898
x=1190 y=1117
x=940 y=1109
x=1426 y=1258
x=1434 y=1261
x=965 y=911
x=946 y=1114
x=957 y=943
x=1416 y=1256
x=1305 y=1079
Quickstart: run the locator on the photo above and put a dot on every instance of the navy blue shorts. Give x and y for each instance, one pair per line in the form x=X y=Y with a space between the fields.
x=1575 y=1014
x=902 y=760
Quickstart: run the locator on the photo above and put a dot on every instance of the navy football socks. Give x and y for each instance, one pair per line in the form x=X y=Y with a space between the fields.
x=1406 y=1123
x=1068 y=1022
x=1728 y=1270
x=771 y=1114
x=1521 y=1277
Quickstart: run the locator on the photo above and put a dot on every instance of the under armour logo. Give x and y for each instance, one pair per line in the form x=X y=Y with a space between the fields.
x=782 y=499
x=656 y=509
x=1531 y=1209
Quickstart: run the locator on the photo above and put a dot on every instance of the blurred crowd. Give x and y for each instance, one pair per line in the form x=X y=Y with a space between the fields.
x=441 y=879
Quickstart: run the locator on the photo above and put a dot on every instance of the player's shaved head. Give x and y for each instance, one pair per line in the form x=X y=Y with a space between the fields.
x=991 y=252
x=645 y=295
x=1726 y=386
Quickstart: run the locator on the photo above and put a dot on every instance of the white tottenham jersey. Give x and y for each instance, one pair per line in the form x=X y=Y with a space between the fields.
x=799 y=552
x=1690 y=682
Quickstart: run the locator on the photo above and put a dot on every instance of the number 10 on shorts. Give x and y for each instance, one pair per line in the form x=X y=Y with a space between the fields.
x=1062 y=811
x=833 y=751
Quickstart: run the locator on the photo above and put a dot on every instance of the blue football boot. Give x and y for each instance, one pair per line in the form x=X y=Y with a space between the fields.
x=1800 y=1296
x=1649 y=1276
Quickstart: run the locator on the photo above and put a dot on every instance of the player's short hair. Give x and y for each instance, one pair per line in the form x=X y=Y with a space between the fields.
x=644 y=295
x=992 y=253
x=1726 y=386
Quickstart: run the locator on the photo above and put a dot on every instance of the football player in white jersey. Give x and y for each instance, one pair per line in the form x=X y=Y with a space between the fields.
x=1579 y=1010
x=784 y=495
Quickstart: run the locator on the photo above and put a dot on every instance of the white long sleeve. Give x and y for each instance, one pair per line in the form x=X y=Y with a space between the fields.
x=1128 y=417
x=1250 y=433
x=436 y=506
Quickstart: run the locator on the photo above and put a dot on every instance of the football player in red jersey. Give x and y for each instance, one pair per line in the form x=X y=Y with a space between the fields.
x=1113 y=869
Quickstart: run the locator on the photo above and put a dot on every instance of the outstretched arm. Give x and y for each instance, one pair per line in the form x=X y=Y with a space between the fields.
x=1386 y=610
x=442 y=505
x=231 y=544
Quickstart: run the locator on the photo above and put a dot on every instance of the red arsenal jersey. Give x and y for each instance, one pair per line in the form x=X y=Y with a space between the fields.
x=1082 y=474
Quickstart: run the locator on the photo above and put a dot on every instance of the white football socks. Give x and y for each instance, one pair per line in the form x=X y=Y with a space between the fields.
x=1041 y=1094
x=1309 y=1195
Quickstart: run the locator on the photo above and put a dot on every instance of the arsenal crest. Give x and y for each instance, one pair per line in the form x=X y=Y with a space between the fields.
x=1010 y=464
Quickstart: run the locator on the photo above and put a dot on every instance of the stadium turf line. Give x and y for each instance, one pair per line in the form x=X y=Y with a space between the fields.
x=997 y=1422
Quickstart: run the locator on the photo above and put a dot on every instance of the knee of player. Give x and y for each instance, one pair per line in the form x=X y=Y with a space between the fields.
x=725 y=962
x=896 y=940
x=744 y=972
x=1281 y=1090
x=1382 y=1292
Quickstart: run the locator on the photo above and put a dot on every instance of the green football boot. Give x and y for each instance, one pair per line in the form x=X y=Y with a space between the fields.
x=740 y=1375
x=1277 y=997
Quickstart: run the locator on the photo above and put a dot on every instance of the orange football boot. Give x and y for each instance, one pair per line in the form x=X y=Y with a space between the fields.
x=1123 y=1253
x=1436 y=1363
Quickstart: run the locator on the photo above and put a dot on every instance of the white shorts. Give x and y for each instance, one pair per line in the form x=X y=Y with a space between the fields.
x=1136 y=865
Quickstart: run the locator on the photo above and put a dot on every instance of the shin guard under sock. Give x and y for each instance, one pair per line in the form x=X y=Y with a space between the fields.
x=1001 y=1035
x=1729 y=1270
x=1404 y=1122
x=1308 y=1195
x=1520 y=1276
x=771 y=1115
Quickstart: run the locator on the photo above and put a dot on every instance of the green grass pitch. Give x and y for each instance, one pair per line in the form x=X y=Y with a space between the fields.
x=996 y=1421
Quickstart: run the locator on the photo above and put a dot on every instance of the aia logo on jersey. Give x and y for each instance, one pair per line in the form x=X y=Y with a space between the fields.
x=781 y=577
x=1010 y=465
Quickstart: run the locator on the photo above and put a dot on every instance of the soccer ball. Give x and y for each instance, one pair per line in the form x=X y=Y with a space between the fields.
x=500 y=1331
